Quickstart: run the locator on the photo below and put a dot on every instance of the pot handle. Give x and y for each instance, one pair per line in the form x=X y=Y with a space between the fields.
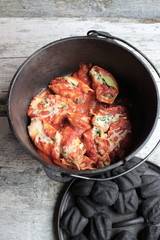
x=108 y=36
x=94 y=33
x=55 y=176
x=121 y=174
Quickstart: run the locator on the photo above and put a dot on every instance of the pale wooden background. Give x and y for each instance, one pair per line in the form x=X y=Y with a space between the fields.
x=28 y=198
x=141 y=9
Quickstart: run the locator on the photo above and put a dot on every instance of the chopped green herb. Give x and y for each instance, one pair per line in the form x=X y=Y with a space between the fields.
x=64 y=107
x=108 y=95
x=77 y=101
x=107 y=80
x=105 y=119
x=74 y=84
x=97 y=131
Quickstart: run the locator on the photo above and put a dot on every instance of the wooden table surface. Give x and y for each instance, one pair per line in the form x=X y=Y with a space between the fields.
x=28 y=198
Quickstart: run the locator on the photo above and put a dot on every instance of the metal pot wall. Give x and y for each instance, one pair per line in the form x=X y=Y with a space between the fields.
x=63 y=57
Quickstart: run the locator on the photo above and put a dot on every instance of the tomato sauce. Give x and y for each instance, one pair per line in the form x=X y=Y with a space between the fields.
x=81 y=130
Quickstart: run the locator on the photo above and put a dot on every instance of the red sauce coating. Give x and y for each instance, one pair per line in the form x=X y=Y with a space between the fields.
x=73 y=126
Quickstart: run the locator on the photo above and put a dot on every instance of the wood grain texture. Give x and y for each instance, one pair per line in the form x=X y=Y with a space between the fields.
x=143 y=9
x=28 y=198
x=8 y=68
x=21 y=37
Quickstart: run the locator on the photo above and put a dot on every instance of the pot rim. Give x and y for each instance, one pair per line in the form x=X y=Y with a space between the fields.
x=73 y=171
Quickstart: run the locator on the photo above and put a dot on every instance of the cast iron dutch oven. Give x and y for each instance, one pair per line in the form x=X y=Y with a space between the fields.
x=63 y=57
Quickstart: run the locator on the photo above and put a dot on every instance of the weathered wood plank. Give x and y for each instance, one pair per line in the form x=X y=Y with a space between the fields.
x=67 y=8
x=8 y=67
x=21 y=37
x=28 y=198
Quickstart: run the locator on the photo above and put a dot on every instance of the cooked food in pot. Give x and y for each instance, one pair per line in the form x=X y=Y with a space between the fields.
x=76 y=122
x=104 y=84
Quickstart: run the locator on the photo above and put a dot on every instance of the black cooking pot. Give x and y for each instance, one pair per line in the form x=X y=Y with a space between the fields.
x=63 y=57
